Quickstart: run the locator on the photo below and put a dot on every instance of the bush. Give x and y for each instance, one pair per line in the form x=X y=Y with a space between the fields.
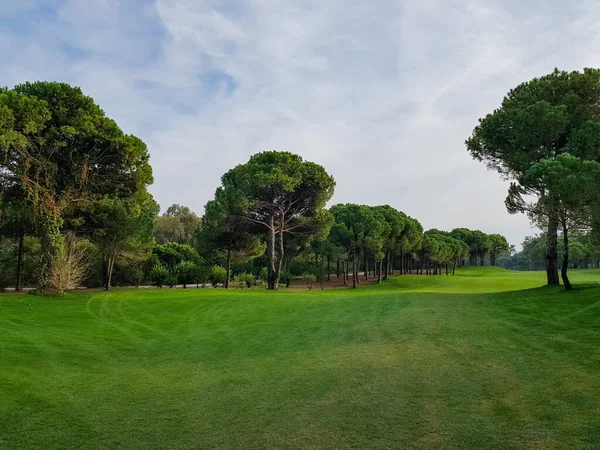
x=203 y=275
x=128 y=275
x=187 y=273
x=243 y=280
x=159 y=275
x=309 y=279
x=264 y=274
x=69 y=268
x=238 y=281
x=171 y=281
x=285 y=278
x=218 y=275
x=250 y=280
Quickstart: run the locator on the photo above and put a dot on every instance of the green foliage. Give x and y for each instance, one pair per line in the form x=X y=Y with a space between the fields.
x=264 y=274
x=286 y=278
x=282 y=195
x=545 y=136
x=128 y=275
x=225 y=234
x=160 y=275
x=172 y=253
x=309 y=280
x=61 y=150
x=171 y=280
x=218 y=275
x=243 y=280
x=187 y=273
x=178 y=224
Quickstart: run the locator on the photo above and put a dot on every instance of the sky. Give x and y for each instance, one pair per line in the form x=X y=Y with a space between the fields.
x=382 y=94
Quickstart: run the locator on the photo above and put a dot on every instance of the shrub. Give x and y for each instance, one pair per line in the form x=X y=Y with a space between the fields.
x=243 y=280
x=203 y=275
x=309 y=279
x=159 y=275
x=218 y=275
x=250 y=280
x=285 y=278
x=171 y=281
x=128 y=275
x=187 y=273
x=238 y=281
x=264 y=274
x=69 y=268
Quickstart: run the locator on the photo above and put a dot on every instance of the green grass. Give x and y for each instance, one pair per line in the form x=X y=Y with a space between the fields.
x=485 y=359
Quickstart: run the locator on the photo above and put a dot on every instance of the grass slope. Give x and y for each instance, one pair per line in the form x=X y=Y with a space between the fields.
x=485 y=359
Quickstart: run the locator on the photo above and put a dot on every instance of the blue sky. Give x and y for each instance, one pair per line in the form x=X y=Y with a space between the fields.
x=383 y=94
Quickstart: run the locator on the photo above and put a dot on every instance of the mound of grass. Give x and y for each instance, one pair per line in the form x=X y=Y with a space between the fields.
x=418 y=362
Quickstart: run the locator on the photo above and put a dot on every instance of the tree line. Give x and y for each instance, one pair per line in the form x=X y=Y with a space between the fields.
x=75 y=210
x=584 y=253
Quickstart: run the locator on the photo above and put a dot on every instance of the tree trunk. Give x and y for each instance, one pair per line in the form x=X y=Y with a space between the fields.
x=453 y=266
x=380 y=269
x=271 y=255
x=228 y=276
x=281 y=253
x=552 y=255
x=328 y=268
x=19 y=280
x=345 y=269
x=110 y=264
x=366 y=263
x=401 y=261
x=52 y=245
x=354 y=272
x=565 y=260
x=386 y=266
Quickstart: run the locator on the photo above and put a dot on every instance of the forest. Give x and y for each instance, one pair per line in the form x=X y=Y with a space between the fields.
x=76 y=210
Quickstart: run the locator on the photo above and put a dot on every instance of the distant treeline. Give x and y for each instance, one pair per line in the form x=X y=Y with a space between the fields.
x=75 y=210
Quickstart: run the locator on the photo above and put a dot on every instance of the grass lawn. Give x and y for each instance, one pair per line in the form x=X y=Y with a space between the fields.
x=484 y=359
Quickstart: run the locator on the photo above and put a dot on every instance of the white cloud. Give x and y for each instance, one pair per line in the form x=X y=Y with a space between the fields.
x=383 y=94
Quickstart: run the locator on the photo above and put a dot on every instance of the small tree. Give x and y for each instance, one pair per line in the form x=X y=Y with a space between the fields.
x=309 y=280
x=187 y=273
x=159 y=275
x=218 y=275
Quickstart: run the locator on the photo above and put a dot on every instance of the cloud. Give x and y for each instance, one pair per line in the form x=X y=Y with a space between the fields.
x=383 y=94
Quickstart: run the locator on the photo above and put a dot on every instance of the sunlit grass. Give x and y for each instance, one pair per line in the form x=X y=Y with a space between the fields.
x=484 y=359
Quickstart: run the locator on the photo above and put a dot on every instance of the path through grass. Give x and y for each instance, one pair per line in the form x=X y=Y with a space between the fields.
x=485 y=359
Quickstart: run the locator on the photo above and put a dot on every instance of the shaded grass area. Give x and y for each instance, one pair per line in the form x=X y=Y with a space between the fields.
x=485 y=359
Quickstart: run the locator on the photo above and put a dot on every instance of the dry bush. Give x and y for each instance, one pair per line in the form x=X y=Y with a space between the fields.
x=70 y=267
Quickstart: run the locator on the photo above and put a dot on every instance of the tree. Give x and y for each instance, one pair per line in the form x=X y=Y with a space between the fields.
x=396 y=223
x=569 y=187
x=187 y=273
x=121 y=227
x=410 y=239
x=159 y=275
x=62 y=150
x=226 y=230
x=172 y=253
x=285 y=195
x=178 y=224
x=16 y=222
x=168 y=229
x=538 y=120
x=497 y=246
x=356 y=228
